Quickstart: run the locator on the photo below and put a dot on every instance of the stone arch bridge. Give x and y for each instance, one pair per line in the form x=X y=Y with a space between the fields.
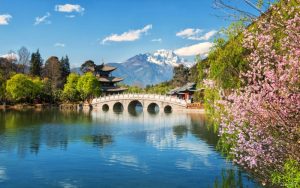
x=148 y=102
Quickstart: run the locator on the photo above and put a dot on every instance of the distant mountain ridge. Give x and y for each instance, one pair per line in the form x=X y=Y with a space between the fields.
x=149 y=68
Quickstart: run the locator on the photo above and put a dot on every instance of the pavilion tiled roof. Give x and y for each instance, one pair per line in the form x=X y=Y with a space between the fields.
x=188 y=87
x=106 y=68
x=110 y=79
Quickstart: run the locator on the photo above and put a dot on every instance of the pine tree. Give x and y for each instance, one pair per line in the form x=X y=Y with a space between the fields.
x=65 y=67
x=36 y=64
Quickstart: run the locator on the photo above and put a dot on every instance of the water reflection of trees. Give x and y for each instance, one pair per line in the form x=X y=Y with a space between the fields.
x=230 y=178
x=27 y=130
x=198 y=127
x=180 y=131
x=99 y=140
x=201 y=129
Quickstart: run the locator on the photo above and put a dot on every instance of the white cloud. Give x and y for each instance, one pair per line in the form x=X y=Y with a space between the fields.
x=194 y=34
x=4 y=19
x=208 y=35
x=43 y=19
x=62 y=45
x=196 y=49
x=131 y=35
x=157 y=40
x=189 y=32
x=69 y=8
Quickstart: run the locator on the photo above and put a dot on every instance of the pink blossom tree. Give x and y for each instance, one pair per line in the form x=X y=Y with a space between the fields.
x=261 y=121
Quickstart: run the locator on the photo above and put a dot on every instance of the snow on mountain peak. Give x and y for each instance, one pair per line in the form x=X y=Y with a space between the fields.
x=167 y=58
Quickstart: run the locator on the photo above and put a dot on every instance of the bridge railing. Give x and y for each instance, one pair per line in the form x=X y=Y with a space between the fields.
x=136 y=96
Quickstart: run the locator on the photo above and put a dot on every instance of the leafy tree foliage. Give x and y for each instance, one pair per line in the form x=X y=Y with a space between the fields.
x=88 y=66
x=7 y=68
x=70 y=91
x=22 y=88
x=2 y=88
x=88 y=86
x=65 y=64
x=53 y=71
x=133 y=89
x=290 y=175
x=36 y=64
x=161 y=88
x=180 y=76
x=227 y=58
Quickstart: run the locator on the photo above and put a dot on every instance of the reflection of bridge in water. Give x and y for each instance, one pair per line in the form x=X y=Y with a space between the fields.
x=147 y=102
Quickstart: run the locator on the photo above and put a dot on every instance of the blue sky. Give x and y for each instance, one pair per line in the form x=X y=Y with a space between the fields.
x=113 y=30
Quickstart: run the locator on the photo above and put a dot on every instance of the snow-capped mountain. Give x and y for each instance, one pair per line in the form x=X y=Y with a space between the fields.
x=149 y=68
x=167 y=57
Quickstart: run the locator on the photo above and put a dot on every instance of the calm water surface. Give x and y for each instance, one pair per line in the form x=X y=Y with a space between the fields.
x=97 y=149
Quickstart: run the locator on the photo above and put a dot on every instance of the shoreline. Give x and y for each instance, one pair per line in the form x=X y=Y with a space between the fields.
x=73 y=106
x=39 y=106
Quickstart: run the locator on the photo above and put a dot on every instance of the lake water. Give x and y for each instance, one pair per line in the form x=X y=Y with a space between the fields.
x=96 y=149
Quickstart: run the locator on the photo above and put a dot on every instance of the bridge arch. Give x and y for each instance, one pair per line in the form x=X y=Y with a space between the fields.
x=118 y=107
x=135 y=107
x=105 y=107
x=153 y=108
x=168 y=109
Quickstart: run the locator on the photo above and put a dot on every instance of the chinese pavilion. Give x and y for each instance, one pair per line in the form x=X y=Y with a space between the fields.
x=185 y=92
x=107 y=81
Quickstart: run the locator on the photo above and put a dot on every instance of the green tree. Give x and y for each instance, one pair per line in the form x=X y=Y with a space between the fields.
x=53 y=71
x=88 y=66
x=36 y=64
x=70 y=91
x=21 y=88
x=161 y=88
x=180 y=76
x=2 y=87
x=88 y=86
x=38 y=87
x=227 y=58
x=7 y=68
x=65 y=66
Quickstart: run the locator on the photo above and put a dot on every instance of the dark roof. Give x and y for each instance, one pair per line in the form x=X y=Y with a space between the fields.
x=113 y=89
x=110 y=79
x=108 y=68
x=105 y=68
x=187 y=87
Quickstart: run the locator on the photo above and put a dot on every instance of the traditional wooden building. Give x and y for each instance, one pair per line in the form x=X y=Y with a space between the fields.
x=107 y=81
x=185 y=92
